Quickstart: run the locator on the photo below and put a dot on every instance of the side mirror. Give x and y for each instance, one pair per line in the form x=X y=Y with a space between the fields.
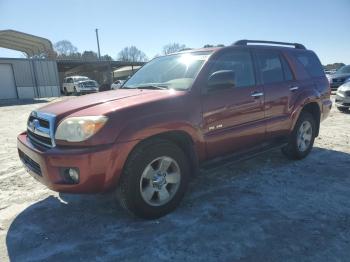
x=221 y=79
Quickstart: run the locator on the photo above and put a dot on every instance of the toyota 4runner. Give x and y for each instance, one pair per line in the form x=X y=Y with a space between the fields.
x=146 y=139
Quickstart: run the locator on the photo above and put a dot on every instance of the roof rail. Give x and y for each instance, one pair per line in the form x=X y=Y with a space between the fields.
x=245 y=42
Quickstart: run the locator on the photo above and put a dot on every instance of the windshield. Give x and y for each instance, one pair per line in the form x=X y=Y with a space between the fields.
x=344 y=70
x=169 y=72
x=81 y=79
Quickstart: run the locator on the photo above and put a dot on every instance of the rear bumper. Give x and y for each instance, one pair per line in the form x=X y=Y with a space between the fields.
x=99 y=167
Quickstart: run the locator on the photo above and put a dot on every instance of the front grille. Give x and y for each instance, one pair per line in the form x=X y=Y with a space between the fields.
x=39 y=140
x=42 y=122
x=347 y=93
x=89 y=84
x=40 y=129
x=30 y=163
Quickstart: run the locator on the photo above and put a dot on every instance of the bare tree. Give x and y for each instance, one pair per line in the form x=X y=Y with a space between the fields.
x=89 y=56
x=131 y=54
x=65 y=48
x=173 y=48
x=106 y=58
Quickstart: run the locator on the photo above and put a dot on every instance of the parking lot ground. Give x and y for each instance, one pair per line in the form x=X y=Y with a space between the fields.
x=264 y=209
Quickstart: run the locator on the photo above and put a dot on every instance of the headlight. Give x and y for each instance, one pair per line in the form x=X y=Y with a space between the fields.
x=77 y=129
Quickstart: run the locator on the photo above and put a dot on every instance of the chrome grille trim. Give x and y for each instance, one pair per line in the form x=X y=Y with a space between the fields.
x=35 y=127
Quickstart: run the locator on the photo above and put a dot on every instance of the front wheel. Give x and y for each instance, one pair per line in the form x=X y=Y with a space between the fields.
x=154 y=179
x=302 y=138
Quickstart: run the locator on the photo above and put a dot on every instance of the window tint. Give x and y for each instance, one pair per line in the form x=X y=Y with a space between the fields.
x=286 y=68
x=240 y=62
x=344 y=70
x=269 y=67
x=311 y=63
x=69 y=80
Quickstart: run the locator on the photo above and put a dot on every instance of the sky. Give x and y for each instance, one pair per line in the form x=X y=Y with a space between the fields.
x=322 y=26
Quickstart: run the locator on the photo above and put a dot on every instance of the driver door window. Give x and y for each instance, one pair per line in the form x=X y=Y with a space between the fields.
x=233 y=118
x=240 y=63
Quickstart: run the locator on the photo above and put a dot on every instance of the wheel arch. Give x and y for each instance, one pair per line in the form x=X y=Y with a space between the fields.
x=313 y=108
x=180 y=138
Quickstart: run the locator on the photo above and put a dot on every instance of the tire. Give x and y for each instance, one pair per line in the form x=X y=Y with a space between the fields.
x=65 y=92
x=142 y=185
x=342 y=109
x=296 y=149
x=75 y=92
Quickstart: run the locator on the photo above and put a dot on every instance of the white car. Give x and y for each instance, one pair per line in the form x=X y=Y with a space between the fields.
x=117 y=84
x=79 y=85
x=342 y=100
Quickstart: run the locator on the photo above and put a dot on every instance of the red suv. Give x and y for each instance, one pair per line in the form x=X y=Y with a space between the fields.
x=146 y=139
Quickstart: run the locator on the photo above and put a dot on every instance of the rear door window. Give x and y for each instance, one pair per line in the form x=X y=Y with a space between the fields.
x=269 y=66
x=311 y=63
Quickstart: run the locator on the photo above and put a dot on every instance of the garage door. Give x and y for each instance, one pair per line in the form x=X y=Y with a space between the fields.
x=7 y=82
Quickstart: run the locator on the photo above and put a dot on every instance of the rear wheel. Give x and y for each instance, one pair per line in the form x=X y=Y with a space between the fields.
x=154 y=179
x=302 y=138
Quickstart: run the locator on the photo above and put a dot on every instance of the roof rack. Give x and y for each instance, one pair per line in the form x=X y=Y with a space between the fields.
x=245 y=42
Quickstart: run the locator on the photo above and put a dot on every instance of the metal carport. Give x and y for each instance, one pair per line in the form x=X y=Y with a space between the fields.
x=36 y=76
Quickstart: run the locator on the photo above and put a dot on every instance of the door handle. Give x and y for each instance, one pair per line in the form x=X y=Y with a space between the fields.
x=294 y=88
x=257 y=94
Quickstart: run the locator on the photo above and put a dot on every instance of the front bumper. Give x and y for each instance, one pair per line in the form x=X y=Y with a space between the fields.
x=88 y=91
x=342 y=100
x=99 y=166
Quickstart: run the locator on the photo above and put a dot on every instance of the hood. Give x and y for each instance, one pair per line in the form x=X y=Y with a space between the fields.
x=86 y=81
x=111 y=99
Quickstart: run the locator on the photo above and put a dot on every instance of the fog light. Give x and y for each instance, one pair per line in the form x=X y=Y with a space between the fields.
x=70 y=175
x=73 y=174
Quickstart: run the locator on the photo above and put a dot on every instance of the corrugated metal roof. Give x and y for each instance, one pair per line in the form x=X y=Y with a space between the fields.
x=30 y=44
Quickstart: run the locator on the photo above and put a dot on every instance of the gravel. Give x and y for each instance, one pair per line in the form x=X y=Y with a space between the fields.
x=264 y=209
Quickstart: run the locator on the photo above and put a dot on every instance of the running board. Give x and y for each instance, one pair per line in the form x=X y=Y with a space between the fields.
x=241 y=156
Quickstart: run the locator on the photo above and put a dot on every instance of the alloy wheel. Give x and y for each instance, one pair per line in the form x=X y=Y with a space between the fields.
x=160 y=181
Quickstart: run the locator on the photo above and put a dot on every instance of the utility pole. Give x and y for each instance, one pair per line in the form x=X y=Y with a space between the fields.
x=98 y=44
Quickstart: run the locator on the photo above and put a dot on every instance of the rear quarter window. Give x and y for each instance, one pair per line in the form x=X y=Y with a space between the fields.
x=311 y=63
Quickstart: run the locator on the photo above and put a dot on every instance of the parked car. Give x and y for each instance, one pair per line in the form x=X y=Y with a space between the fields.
x=179 y=112
x=79 y=85
x=330 y=71
x=342 y=100
x=339 y=77
x=117 y=84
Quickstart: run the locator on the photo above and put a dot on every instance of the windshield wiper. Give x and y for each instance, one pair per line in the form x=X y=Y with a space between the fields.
x=160 y=87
